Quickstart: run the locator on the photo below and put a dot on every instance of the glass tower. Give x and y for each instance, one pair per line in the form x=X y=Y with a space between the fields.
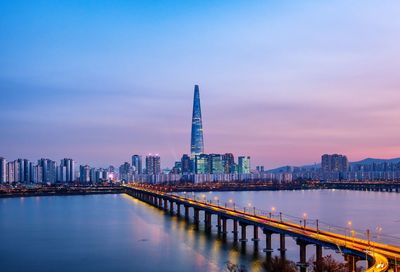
x=197 y=143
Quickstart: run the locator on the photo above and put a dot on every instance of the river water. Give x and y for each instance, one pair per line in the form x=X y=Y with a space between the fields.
x=119 y=233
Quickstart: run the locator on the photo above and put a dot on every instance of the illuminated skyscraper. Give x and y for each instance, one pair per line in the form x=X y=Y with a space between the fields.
x=197 y=143
x=244 y=165
x=202 y=164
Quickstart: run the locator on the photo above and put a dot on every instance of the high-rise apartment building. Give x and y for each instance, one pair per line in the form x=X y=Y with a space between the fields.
x=66 y=170
x=125 y=172
x=153 y=165
x=11 y=171
x=334 y=163
x=3 y=170
x=186 y=164
x=137 y=164
x=48 y=170
x=85 y=172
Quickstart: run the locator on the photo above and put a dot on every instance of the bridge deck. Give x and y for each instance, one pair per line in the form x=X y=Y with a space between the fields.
x=380 y=253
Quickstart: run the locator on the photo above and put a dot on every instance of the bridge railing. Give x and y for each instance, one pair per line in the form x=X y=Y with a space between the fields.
x=375 y=235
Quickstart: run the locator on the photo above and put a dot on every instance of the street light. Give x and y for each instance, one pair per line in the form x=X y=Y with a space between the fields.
x=305 y=218
x=349 y=224
x=272 y=211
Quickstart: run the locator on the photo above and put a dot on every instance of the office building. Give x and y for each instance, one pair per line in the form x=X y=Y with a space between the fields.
x=197 y=142
x=244 y=165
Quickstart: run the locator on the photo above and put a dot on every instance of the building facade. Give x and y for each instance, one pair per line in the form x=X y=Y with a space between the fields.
x=197 y=141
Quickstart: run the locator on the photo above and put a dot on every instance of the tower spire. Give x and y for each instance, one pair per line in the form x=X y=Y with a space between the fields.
x=197 y=143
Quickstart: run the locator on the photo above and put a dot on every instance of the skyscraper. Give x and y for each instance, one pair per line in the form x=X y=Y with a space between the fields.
x=216 y=164
x=153 y=165
x=244 y=165
x=48 y=170
x=229 y=163
x=197 y=143
x=125 y=172
x=66 y=170
x=84 y=174
x=137 y=164
x=202 y=165
x=186 y=164
x=3 y=170
x=335 y=162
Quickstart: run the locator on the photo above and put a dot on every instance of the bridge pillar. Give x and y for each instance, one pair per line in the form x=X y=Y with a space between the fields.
x=235 y=230
x=186 y=212
x=370 y=262
x=352 y=262
x=268 y=245
x=207 y=221
x=160 y=206
x=303 y=255
x=224 y=228
x=282 y=247
x=243 y=239
x=318 y=253
x=171 y=207
x=165 y=204
x=219 y=224
x=178 y=209
x=196 y=218
x=255 y=237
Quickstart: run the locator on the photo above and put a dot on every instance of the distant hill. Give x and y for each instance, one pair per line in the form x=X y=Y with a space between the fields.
x=285 y=168
x=372 y=160
x=364 y=161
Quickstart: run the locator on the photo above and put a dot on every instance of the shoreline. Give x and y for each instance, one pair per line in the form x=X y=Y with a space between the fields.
x=205 y=187
x=63 y=192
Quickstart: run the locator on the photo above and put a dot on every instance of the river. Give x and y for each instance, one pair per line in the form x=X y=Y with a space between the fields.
x=119 y=233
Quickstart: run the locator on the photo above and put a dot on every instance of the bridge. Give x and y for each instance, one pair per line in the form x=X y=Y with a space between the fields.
x=379 y=256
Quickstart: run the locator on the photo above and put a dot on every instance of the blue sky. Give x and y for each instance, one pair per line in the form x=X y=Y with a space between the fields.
x=281 y=81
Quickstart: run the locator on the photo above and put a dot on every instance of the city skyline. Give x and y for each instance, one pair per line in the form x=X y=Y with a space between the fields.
x=101 y=87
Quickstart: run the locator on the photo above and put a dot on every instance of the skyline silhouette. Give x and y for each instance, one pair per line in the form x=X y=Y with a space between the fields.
x=281 y=82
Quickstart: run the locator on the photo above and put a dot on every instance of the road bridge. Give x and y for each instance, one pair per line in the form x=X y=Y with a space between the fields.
x=380 y=257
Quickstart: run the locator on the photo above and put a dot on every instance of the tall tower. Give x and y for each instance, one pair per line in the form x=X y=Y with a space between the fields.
x=197 y=143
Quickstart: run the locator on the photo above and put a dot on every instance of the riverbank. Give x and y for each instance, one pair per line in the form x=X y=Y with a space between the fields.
x=376 y=186
x=60 y=191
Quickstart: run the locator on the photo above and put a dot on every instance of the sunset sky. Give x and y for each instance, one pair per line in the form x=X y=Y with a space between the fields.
x=280 y=81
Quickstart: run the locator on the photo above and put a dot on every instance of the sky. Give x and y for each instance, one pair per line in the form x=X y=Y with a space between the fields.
x=281 y=81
